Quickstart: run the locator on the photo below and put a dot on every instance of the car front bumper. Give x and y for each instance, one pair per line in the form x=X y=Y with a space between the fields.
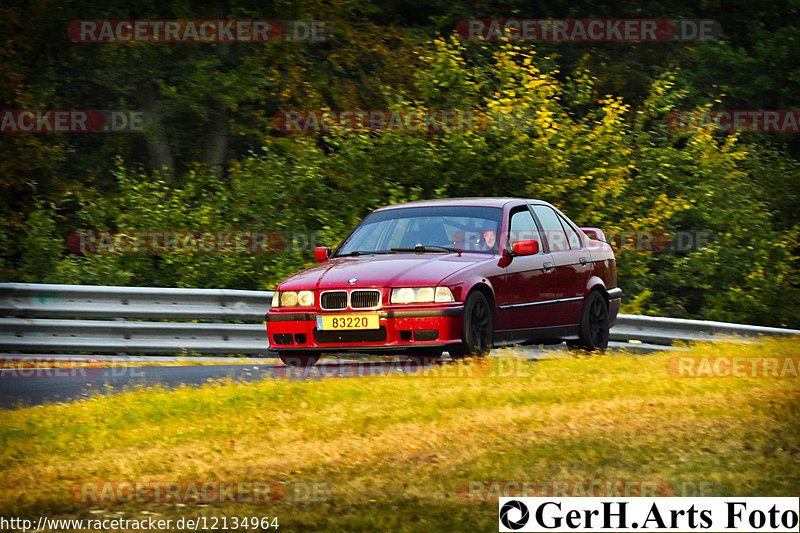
x=400 y=329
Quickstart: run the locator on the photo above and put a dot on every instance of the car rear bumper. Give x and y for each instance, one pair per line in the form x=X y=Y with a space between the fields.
x=614 y=302
x=403 y=329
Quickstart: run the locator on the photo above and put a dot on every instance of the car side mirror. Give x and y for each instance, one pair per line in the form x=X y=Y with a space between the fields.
x=595 y=234
x=525 y=247
x=321 y=253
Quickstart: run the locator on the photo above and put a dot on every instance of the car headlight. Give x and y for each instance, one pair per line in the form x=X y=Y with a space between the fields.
x=415 y=295
x=288 y=299
x=305 y=298
x=293 y=299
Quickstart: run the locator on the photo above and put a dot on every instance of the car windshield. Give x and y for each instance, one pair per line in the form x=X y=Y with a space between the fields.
x=426 y=229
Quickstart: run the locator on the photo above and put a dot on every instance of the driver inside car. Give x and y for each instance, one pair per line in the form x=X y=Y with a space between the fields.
x=489 y=239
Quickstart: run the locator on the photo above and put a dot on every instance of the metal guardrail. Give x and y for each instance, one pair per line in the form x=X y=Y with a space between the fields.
x=42 y=318
x=665 y=331
x=154 y=303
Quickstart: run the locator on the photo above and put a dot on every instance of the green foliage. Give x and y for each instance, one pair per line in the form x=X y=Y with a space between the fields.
x=547 y=129
x=256 y=196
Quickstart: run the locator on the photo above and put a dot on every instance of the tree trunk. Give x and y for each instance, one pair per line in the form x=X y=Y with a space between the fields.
x=161 y=158
x=216 y=143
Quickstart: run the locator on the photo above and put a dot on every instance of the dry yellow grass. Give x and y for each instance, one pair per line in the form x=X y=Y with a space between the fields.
x=394 y=449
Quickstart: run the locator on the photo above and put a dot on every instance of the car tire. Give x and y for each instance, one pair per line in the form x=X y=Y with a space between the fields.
x=298 y=361
x=593 y=332
x=478 y=330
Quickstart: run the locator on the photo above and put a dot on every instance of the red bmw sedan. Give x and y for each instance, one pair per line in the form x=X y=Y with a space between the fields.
x=455 y=275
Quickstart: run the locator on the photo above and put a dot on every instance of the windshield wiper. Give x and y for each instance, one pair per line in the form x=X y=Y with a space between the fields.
x=420 y=248
x=364 y=252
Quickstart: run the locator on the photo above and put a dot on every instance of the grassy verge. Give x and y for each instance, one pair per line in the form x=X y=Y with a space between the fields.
x=391 y=451
x=19 y=364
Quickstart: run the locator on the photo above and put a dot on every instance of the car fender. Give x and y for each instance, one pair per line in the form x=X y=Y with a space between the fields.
x=595 y=282
x=466 y=285
x=612 y=300
x=462 y=282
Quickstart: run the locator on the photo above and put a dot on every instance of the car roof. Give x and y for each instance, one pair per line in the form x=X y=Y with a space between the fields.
x=474 y=202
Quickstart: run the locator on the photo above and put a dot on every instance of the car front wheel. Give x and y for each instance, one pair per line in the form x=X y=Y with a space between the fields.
x=478 y=329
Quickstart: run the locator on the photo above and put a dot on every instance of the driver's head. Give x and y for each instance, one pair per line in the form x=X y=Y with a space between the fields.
x=490 y=238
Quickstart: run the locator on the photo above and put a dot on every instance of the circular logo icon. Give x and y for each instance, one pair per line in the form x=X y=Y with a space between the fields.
x=352 y=280
x=523 y=514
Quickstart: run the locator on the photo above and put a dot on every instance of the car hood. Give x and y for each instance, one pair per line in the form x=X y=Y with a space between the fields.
x=396 y=270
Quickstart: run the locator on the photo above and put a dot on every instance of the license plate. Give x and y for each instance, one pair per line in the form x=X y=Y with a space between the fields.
x=347 y=322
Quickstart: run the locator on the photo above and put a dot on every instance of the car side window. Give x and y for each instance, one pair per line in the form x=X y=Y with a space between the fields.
x=522 y=227
x=572 y=236
x=551 y=226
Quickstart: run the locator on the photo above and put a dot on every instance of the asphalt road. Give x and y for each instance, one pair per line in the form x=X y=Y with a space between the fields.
x=35 y=386
x=20 y=388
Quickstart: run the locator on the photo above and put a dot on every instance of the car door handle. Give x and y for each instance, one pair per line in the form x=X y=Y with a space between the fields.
x=582 y=260
x=548 y=266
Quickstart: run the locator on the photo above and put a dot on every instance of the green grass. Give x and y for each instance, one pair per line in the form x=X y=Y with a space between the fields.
x=394 y=449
